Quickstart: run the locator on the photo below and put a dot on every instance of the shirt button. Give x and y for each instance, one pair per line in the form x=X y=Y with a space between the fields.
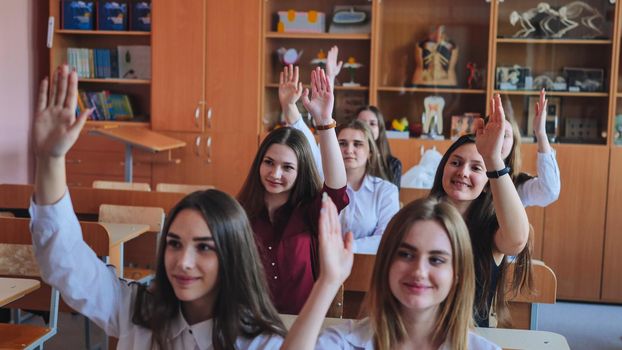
x=190 y=330
x=269 y=247
x=273 y=264
x=275 y=277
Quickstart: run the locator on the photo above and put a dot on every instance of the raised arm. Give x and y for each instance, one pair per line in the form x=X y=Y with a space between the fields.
x=320 y=105
x=290 y=90
x=513 y=231
x=55 y=130
x=543 y=189
x=332 y=66
x=336 y=260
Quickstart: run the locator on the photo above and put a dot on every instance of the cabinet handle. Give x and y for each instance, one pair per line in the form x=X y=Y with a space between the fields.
x=50 y=36
x=208 y=149
x=197 y=145
x=197 y=114
x=209 y=117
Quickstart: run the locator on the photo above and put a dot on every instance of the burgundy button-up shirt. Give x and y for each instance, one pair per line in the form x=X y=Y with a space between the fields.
x=287 y=246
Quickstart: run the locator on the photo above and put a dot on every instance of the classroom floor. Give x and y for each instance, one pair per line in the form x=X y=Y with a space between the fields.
x=585 y=326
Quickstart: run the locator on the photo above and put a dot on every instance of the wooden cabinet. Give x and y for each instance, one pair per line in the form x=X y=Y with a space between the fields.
x=574 y=225
x=612 y=261
x=205 y=90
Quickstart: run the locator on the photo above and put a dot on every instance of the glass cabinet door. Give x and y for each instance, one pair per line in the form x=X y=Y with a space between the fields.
x=436 y=50
x=565 y=47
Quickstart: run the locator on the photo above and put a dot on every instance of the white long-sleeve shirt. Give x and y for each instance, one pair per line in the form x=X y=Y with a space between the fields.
x=543 y=189
x=93 y=289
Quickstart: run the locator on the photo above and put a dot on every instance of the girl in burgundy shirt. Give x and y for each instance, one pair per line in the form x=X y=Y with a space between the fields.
x=282 y=193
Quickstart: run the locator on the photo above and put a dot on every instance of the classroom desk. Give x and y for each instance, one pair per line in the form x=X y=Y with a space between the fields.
x=508 y=339
x=524 y=339
x=138 y=137
x=119 y=234
x=12 y=289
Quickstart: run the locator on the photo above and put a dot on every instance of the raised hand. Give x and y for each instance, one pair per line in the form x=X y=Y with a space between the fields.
x=290 y=89
x=56 y=128
x=539 y=121
x=336 y=256
x=332 y=67
x=489 y=137
x=320 y=105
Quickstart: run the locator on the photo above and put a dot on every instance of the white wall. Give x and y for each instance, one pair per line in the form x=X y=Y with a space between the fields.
x=17 y=83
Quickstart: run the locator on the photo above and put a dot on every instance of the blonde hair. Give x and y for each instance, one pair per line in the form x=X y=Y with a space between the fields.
x=455 y=312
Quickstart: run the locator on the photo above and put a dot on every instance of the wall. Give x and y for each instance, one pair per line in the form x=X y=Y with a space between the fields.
x=23 y=60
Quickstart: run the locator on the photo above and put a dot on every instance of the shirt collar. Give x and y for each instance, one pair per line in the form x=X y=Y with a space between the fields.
x=368 y=184
x=360 y=335
x=201 y=332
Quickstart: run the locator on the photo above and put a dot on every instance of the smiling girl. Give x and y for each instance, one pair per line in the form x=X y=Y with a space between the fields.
x=421 y=291
x=209 y=292
x=282 y=197
x=474 y=178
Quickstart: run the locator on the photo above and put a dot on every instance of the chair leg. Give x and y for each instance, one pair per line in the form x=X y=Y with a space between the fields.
x=533 y=323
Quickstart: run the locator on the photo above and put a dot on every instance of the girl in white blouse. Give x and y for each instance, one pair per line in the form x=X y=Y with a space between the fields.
x=373 y=199
x=209 y=290
x=421 y=291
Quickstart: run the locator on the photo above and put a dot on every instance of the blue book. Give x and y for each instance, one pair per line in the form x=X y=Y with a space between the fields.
x=140 y=13
x=114 y=62
x=78 y=14
x=112 y=15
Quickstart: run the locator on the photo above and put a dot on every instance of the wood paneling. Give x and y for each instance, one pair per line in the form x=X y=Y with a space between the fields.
x=574 y=225
x=612 y=261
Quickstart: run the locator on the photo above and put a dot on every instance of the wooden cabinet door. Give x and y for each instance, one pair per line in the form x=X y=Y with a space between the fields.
x=233 y=66
x=178 y=65
x=612 y=261
x=187 y=164
x=219 y=159
x=574 y=225
x=529 y=156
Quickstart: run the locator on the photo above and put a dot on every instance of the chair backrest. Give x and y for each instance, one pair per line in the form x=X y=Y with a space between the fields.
x=408 y=195
x=360 y=277
x=128 y=214
x=181 y=188
x=86 y=200
x=545 y=285
x=121 y=185
x=6 y=214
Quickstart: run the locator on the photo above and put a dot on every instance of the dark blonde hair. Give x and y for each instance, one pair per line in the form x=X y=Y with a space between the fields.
x=374 y=167
x=455 y=312
x=382 y=143
x=242 y=307
x=481 y=220
x=306 y=185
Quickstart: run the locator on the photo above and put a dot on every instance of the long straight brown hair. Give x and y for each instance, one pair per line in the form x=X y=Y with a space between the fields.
x=382 y=143
x=481 y=220
x=307 y=183
x=242 y=307
x=455 y=312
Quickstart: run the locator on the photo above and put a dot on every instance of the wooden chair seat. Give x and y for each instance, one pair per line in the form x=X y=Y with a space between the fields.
x=20 y=336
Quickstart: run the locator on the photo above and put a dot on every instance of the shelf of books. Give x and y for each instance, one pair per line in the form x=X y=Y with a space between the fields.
x=108 y=44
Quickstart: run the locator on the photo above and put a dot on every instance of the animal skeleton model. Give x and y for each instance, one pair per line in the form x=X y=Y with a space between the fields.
x=569 y=16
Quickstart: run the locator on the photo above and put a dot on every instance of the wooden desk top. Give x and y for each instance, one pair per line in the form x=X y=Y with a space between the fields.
x=140 y=137
x=524 y=339
x=12 y=289
x=120 y=233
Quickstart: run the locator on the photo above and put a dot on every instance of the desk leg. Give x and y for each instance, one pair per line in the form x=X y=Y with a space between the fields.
x=128 y=163
x=116 y=258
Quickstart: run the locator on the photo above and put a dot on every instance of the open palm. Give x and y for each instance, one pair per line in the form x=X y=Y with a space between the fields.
x=320 y=105
x=56 y=127
x=489 y=137
x=336 y=256
x=290 y=89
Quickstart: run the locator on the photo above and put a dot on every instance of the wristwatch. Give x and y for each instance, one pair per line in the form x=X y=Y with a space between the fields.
x=495 y=174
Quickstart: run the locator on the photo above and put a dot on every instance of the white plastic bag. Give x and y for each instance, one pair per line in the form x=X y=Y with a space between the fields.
x=422 y=174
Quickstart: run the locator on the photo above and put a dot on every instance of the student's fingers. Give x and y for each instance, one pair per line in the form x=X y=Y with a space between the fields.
x=542 y=96
x=348 y=241
x=314 y=83
x=53 y=86
x=323 y=81
x=500 y=112
x=61 y=93
x=478 y=124
x=71 y=101
x=299 y=88
x=296 y=74
x=281 y=78
x=305 y=98
x=43 y=95
x=76 y=127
